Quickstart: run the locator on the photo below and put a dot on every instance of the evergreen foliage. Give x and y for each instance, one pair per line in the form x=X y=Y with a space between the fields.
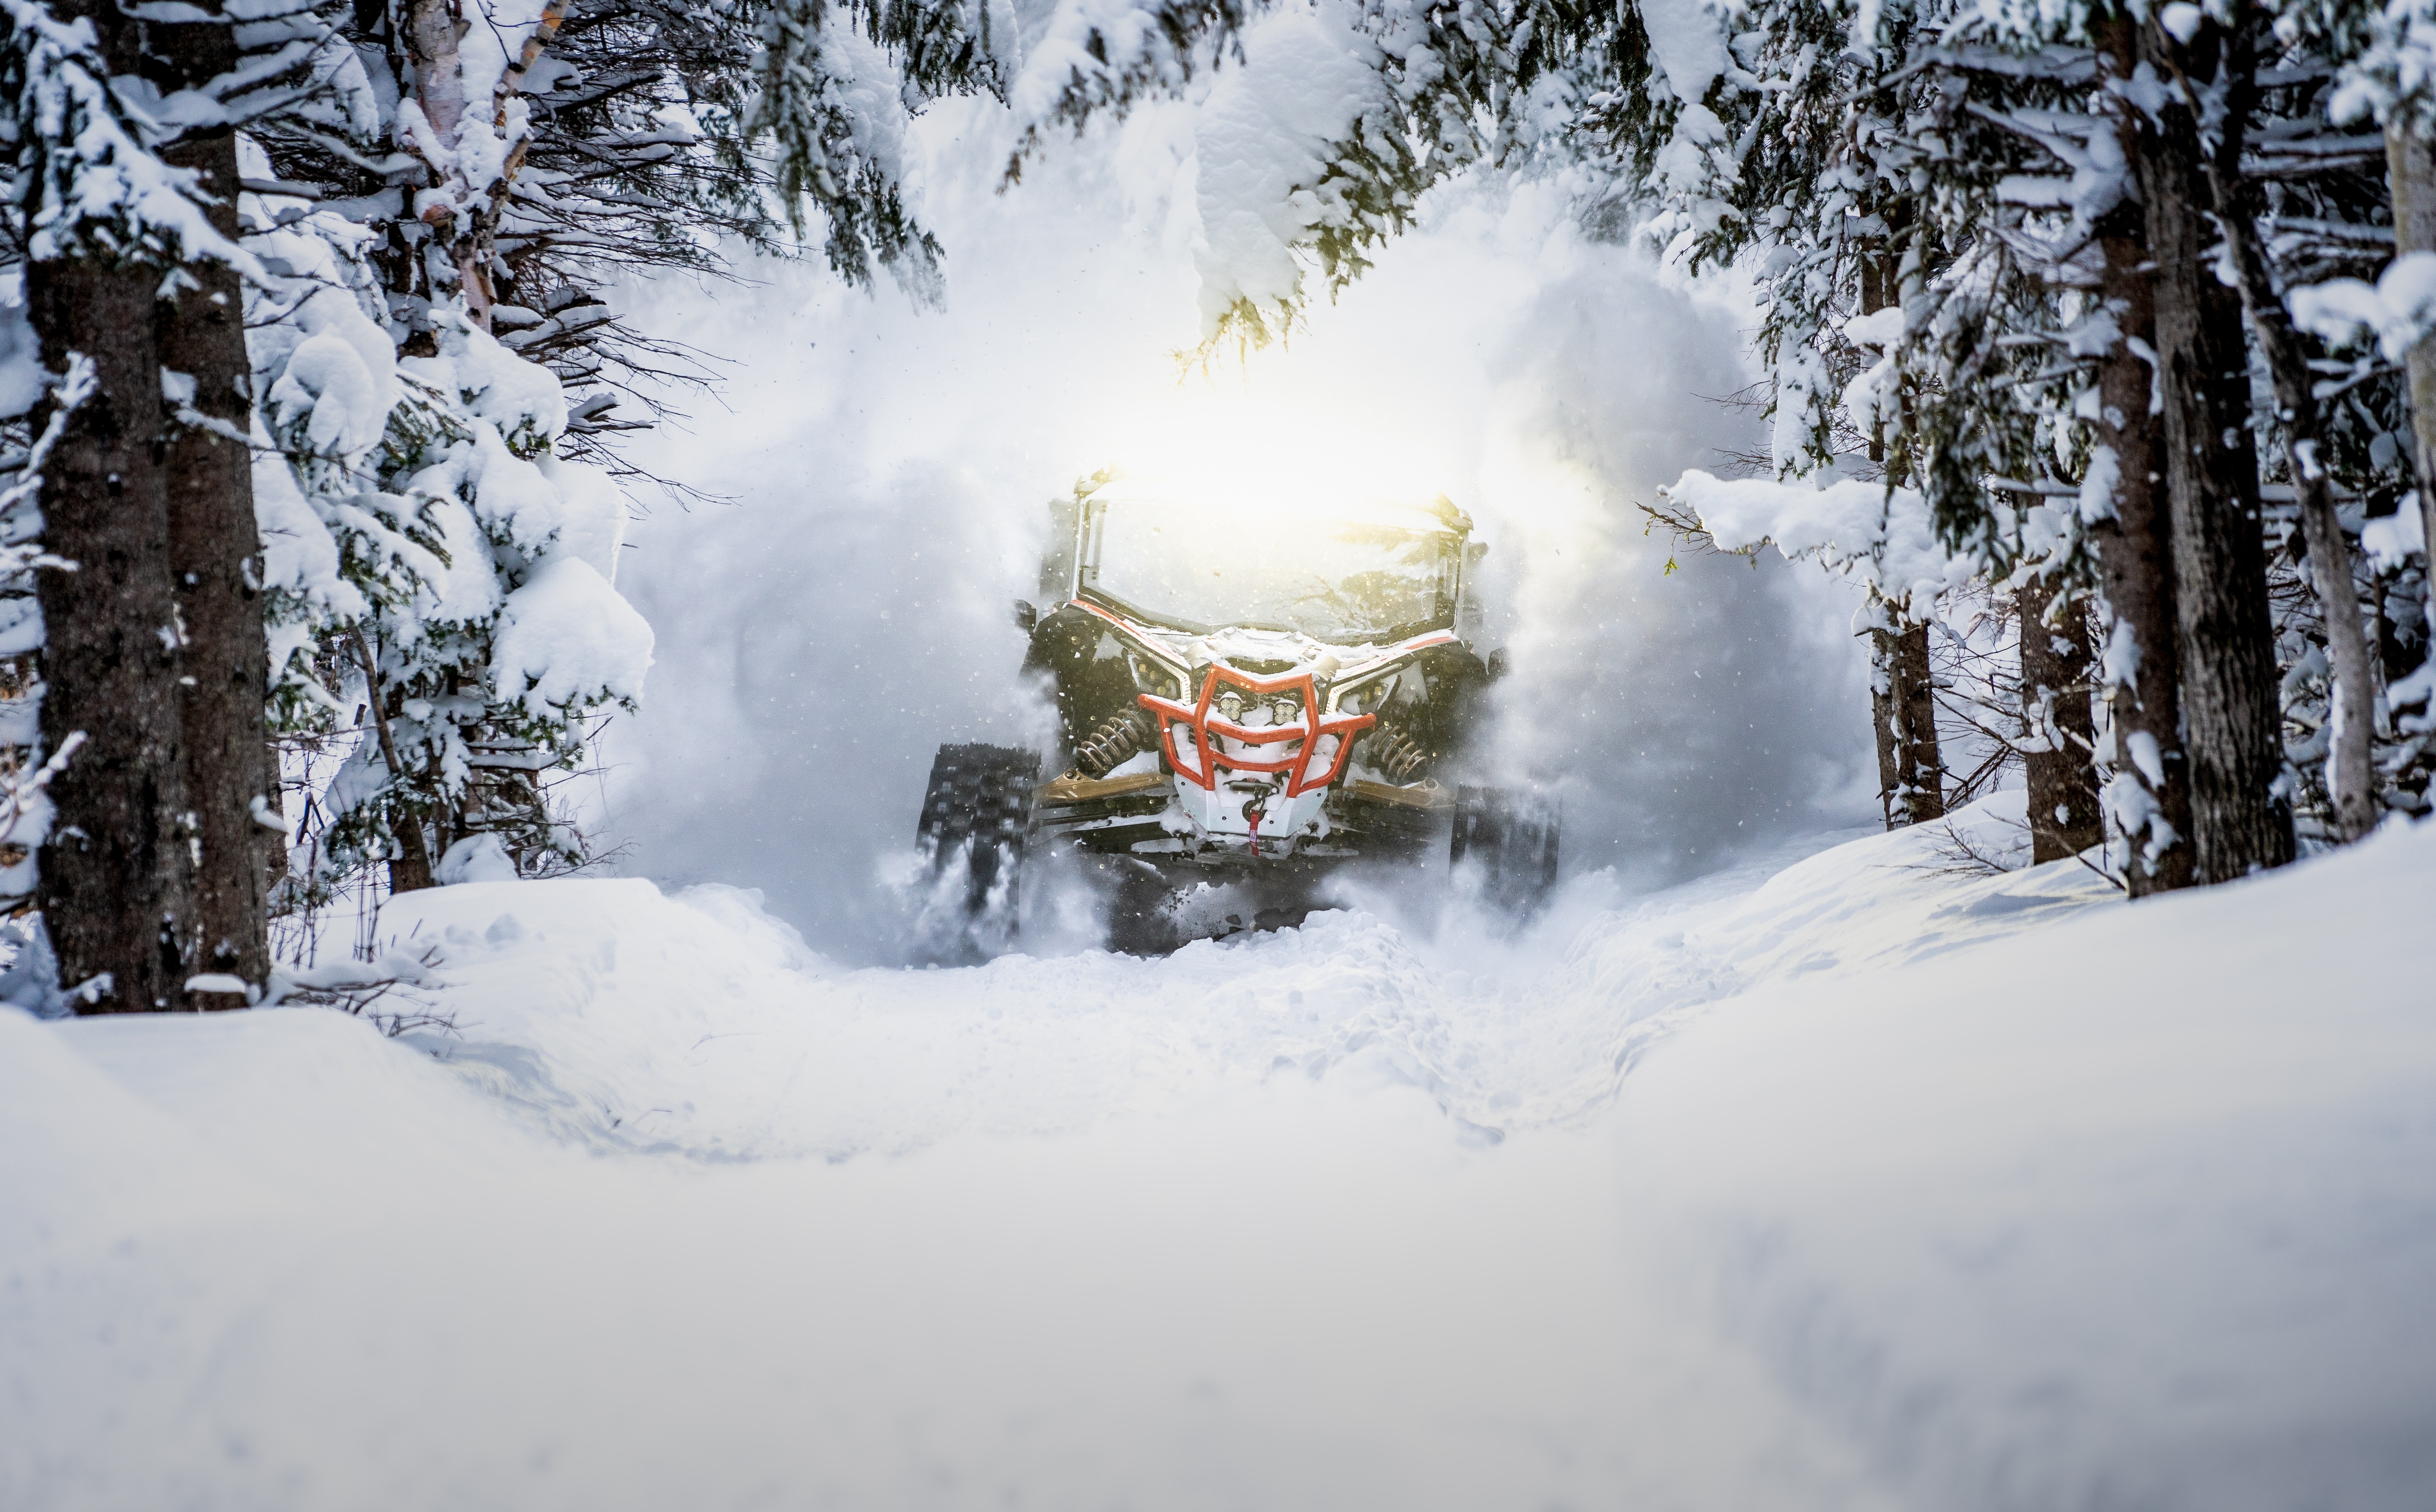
x=1945 y=210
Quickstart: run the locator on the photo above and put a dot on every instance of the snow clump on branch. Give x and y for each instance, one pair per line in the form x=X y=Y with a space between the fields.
x=1879 y=536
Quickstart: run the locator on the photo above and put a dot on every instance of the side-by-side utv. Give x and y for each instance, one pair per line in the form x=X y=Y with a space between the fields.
x=1244 y=697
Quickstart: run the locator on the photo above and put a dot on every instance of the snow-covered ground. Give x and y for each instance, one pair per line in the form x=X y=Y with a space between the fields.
x=1865 y=1184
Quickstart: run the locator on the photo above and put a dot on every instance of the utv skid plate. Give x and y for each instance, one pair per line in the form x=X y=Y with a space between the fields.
x=986 y=815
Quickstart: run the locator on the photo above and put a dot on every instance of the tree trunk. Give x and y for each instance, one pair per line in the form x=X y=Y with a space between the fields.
x=1920 y=771
x=1882 y=722
x=1903 y=708
x=2410 y=174
x=2147 y=790
x=433 y=29
x=215 y=548
x=409 y=870
x=116 y=887
x=2232 y=714
x=2056 y=664
x=2351 y=773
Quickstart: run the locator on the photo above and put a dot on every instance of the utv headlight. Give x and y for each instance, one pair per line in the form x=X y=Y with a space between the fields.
x=1151 y=677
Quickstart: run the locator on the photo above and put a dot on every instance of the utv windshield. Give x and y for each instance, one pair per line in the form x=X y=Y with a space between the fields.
x=1378 y=575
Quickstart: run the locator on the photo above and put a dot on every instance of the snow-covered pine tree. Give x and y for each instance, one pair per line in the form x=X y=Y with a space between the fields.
x=25 y=771
x=118 y=128
x=2309 y=173
x=2348 y=233
x=248 y=61
x=1821 y=177
x=2024 y=387
x=440 y=580
x=2001 y=325
x=2029 y=181
x=2229 y=97
x=2385 y=57
x=447 y=208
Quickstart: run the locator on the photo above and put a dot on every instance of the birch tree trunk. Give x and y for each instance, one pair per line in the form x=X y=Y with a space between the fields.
x=2411 y=173
x=215 y=550
x=2231 y=691
x=435 y=30
x=1882 y=721
x=118 y=880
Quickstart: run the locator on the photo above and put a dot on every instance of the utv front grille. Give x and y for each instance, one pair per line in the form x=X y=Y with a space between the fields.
x=1311 y=751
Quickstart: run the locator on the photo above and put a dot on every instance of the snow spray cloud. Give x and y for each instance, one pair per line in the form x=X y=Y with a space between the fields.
x=850 y=610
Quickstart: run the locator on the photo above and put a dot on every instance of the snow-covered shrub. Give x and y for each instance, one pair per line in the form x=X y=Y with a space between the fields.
x=440 y=581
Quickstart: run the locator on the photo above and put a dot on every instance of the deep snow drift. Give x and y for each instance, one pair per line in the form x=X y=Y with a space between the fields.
x=1861 y=1185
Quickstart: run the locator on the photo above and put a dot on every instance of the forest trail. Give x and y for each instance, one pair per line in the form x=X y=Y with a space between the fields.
x=1792 y=1189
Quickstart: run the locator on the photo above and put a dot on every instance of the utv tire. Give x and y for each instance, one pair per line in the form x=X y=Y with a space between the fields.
x=975 y=819
x=1511 y=838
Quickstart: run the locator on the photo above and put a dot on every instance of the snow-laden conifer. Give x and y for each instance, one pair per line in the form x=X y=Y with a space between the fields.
x=116 y=130
x=439 y=579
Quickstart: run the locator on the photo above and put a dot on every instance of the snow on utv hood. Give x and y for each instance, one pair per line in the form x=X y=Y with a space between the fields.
x=1356 y=573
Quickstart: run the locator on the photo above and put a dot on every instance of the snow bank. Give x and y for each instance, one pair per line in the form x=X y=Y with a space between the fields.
x=616 y=1015
x=85 y=1163
x=2133 y=1213
x=699 y=1024
x=1864 y=1185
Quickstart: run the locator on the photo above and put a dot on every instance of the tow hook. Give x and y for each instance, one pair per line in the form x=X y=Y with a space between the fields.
x=1254 y=807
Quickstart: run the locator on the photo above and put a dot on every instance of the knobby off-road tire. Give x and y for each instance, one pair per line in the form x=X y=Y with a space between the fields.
x=1512 y=839
x=976 y=817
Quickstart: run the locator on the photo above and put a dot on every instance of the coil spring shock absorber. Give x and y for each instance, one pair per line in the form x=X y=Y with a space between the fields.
x=1396 y=754
x=1113 y=741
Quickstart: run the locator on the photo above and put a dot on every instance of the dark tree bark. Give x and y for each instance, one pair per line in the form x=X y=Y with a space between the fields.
x=2062 y=780
x=2135 y=550
x=215 y=550
x=409 y=871
x=2296 y=402
x=1920 y=771
x=2232 y=718
x=1903 y=708
x=116 y=888
x=2055 y=669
